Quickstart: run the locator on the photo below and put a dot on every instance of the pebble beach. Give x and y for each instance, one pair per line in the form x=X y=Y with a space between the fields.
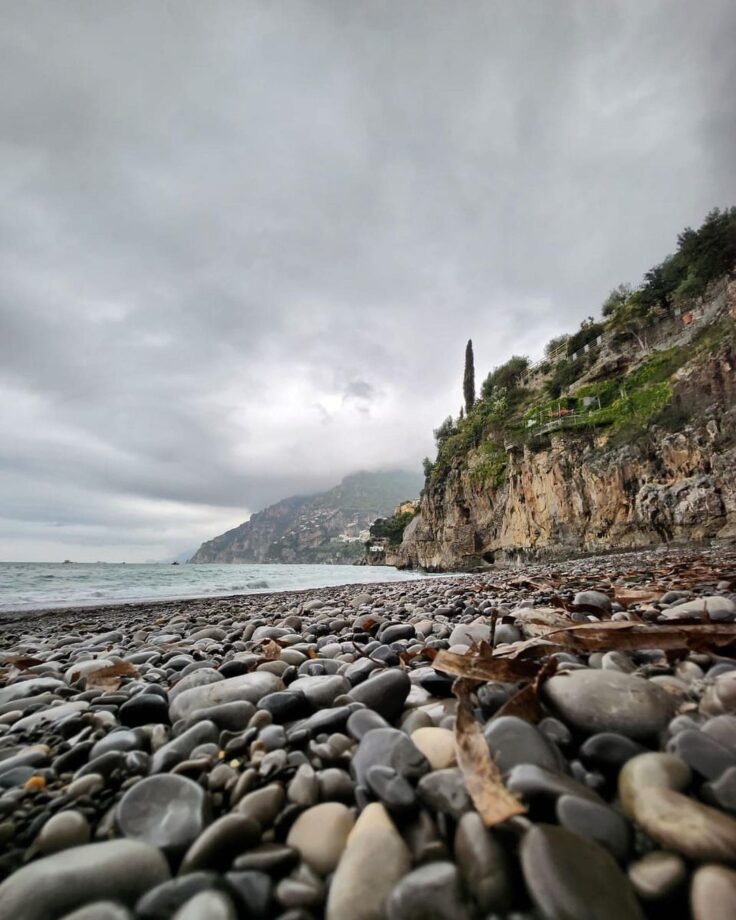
x=512 y=744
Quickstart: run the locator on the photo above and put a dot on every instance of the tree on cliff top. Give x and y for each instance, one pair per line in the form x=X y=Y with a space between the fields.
x=469 y=377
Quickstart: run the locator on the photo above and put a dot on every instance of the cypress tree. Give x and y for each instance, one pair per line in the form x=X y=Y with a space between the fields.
x=469 y=377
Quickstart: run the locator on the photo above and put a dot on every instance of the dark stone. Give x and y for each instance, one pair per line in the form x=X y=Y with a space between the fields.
x=393 y=790
x=144 y=709
x=514 y=741
x=599 y=822
x=163 y=901
x=221 y=842
x=703 y=754
x=609 y=749
x=571 y=877
x=384 y=692
x=252 y=892
x=431 y=892
x=275 y=858
x=444 y=791
x=529 y=781
x=391 y=748
x=364 y=720
x=285 y=705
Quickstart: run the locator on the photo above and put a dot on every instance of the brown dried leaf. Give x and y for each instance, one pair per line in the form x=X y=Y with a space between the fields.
x=635 y=597
x=23 y=662
x=494 y=802
x=525 y=704
x=109 y=678
x=484 y=667
x=271 y=650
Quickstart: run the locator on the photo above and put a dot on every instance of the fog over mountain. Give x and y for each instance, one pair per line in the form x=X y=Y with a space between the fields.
x=243 y=244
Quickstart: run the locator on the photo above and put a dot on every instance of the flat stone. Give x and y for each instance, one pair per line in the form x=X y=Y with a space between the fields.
x=713 y=893
x=389 y=747
x=122 y=870
x=363 y=720
x=373 y=861
x=483 y=864
x=437 y=745
x=609 y=750
x=384 y=692
x=571 y=877
x=685 y=825
x=167 y=811
x=285 y=705
x=319 y=834
x=609 y=701
x=657 y=875
x=654 y=768
x=514 y=741
x=207 y=905
x=431 y=892
x=598 y=822
x=181 y=747
x=249 y=688
x=722 y=792
x=121 y=740
x=218 y=845
x=25 y=688
x=723 y=730
x=596 y=599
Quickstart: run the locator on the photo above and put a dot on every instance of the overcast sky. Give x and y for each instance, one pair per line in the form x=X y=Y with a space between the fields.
x=242 y=245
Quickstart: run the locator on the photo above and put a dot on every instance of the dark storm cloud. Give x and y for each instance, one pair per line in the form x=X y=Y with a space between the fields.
x=242 y=245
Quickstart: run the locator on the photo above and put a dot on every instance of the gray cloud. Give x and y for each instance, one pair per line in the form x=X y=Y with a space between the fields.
x=242 y=244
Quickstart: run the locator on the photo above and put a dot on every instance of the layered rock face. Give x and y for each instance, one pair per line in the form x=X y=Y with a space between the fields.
x=582 y=493
x=327 y=528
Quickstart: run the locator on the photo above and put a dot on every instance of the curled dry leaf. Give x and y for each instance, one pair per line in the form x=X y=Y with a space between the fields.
x=109 y=678
x=493 y=801
x=484 y=667
x=23 y=662
x=525 y=703
x=271 y=650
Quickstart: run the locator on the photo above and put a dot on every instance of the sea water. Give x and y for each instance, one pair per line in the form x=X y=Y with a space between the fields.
x=43 y=585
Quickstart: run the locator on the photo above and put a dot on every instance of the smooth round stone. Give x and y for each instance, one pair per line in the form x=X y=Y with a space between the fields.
x=168 y=811
x=207 y=905
x=389 y=747
x=319 y=835
x=144 y=709
x=437 y=745
x=703 y=754
x=249 y=688
x=723 y=791
x=468 y=633
x=570 y=877
x=304 y=787
x=431 y=892
x=122 y=870
x=713 y=893
x=654 y=768
x=85 y=785
x=285 y=705
x=529 y=782
x=393 y=790
x=321 y=691
x=598 y=822
x=268 y=857
x=609 y=701
x=363 y=720
x=657 y=875
x=384 y=692
x=686 y=826
x=123 y=740
x=263 y=805
x=608 y=749
x=723 y=730
x=373 y=861
x=162 y=902
x=514 y=741
x=335 y=784
x=483 y=864
x=252 y=892
x=596 y=599
x=444 y=791
x=63 y=830
x=221 y=842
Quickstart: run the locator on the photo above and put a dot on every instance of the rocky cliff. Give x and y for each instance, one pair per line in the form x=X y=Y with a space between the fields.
x=327 y=528
x=666 y=472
